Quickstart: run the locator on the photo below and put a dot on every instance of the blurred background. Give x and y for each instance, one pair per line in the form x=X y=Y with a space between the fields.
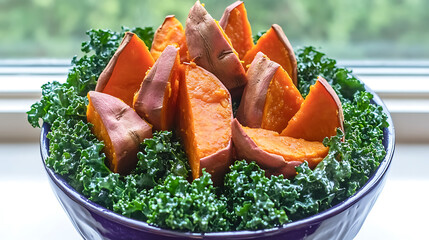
x=366 y=29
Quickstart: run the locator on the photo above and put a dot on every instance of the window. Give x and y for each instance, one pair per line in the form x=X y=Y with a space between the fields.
x=383 y=41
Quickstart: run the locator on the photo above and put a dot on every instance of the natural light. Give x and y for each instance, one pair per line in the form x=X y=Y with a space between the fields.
x=384 y=43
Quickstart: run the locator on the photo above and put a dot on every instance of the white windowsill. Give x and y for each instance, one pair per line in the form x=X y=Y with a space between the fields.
x=403 y=86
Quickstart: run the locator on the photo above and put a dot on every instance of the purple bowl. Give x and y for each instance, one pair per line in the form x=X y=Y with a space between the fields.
x=342 y=221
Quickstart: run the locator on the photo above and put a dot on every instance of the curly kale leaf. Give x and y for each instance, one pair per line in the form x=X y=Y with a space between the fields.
x=194 y=207
x=57 y=102
x=162 y=156
x=75 y=153
x=179 y=205
x=364 y=124
x=312 y=63
x=319 y=187
x=258 y=36
x=255 y=201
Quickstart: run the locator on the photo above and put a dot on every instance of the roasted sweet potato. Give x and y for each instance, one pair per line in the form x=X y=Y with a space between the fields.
x=211 y=49
x=277 y=47
x=170 y=32
x=205 y=115
x=156 y=100
x=252 y=103
x=270 y=99
x=274 y=153
x=119 y=127
x=282 y=102
x=125 y=71
x=319 y=116
x=237 y=27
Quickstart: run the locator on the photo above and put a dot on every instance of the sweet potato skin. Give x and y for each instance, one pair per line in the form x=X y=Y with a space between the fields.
x=126 y=69
x=170 y=32
x=337 y=101
x=319 y=116
x=159 y=88
x=270 y=99
x=104 y=77
x=282 y=102
x=241 y=39
x=218 y=163
x=246 y=148
x=259 y=76
x=210 y=48
x=121 y=129
x=277 y=47
x=205 y=111
x=293 y=68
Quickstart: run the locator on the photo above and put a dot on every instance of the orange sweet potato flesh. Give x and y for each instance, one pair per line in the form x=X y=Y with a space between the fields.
x=119 y=127
x=282 y=102
x=270 y=99
x=277 y=47
x=205 y=115
x=291 y=149
x=237 y=27
x=156 y=100
x=171 y=32
x=319 y=116
x=274 y=153
x=126 y=69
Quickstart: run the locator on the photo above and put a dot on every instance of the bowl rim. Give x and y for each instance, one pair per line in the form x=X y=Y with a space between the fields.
x=389 y=142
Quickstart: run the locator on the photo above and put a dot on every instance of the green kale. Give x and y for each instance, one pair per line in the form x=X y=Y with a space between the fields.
x=255 y=201
x=257 y=36
x=161 y=194
x=57 y=102
x=158 y=191
x=312 y=63
x=145 y=34
x=162 y=156
x=180 y=205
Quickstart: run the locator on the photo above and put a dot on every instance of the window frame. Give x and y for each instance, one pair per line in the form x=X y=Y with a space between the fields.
x=402 y=85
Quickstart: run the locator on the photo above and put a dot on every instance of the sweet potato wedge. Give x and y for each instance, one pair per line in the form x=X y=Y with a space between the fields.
x=237 y=27
x=171 y=32
x=252 y=103
x=119 y=127
x=277 y=47
x=319 y=116
x=274 y=153
x=282 y=102
x=205 y=115
x=156 y=100
x=127 y=68
x=270 y=99
x=211 y=49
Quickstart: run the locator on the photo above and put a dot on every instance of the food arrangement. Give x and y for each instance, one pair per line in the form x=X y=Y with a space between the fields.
x=208 y=131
